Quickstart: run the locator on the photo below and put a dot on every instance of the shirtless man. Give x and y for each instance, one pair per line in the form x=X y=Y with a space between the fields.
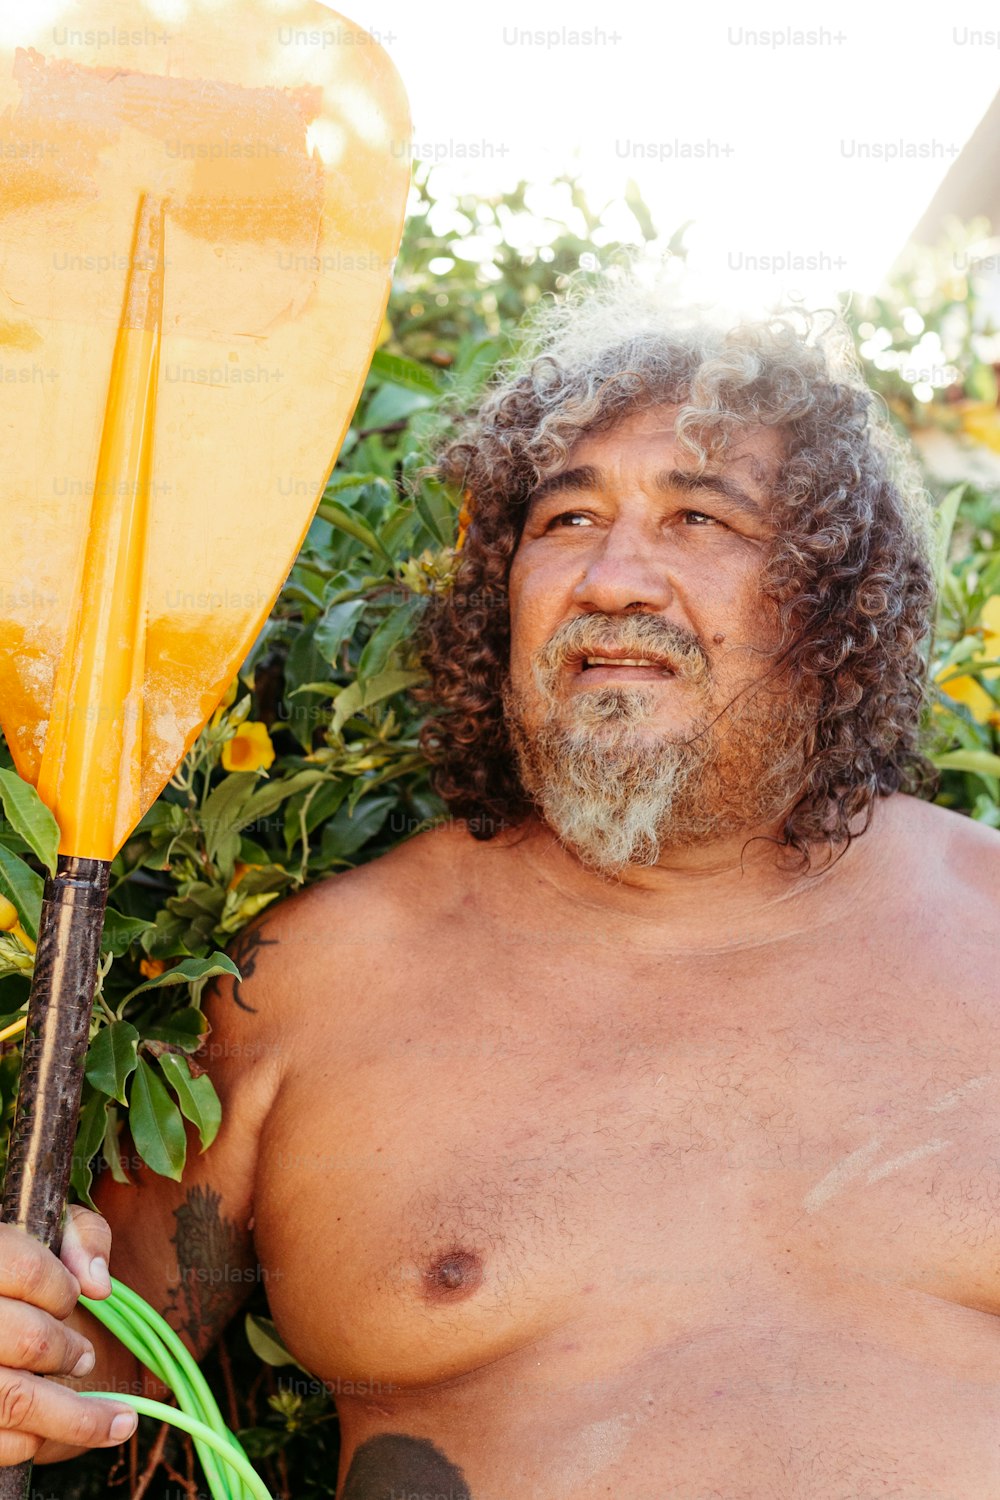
x=635 y=1133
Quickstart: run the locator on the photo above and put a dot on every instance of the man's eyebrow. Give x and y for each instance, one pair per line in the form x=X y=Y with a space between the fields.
x=584 y=478
x=587 y=477
x=716 y=484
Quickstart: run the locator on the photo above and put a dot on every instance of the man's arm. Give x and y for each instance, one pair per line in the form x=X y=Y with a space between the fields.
x=187 y=1247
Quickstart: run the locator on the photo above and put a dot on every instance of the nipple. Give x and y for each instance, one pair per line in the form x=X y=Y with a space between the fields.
x=451 y=1276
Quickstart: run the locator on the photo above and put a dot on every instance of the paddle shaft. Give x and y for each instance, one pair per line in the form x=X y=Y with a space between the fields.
x=40 y=1155
x=79 y=771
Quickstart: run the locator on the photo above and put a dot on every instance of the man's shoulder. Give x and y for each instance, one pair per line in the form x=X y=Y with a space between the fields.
x=408 y=882
x=956 y=850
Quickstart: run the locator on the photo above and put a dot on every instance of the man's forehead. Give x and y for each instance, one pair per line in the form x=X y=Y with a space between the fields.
x=754 y=455
x=746 y=485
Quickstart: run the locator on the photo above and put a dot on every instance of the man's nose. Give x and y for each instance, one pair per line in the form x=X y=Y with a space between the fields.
x=623 y=571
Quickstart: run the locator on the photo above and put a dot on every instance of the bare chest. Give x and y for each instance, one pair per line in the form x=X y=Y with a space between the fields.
x=539 y=1140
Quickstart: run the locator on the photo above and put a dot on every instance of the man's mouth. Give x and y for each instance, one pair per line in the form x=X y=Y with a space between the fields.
x=630 y=668
x=622 y=661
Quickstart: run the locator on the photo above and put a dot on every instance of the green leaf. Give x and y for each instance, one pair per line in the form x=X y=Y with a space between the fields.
x=30 y=818
x=394 y=403
x=252 y=853
x=264 y=1340
x=398 y=533
x=185 y=1028
x=321 y=806
x=981 y=761
x=990 y=582
x=121 y=931
x=944 y=525
x=347 y=521
x=197 y=1097
x=160 y=815
x=358 y=695
x=221 y=814
x=165 y=939
x=344 y=835
x=336 y=625
x=405 y=372
x=156 y=1124
x=381 y=642
x=112 y=1149
x=320 y=689
x=23 y=887
x=351 y=482
x=305 y=662
x=188 y=969
x=89 y=1132
x=426 y=513
x=111 y=1058
x=271 y=796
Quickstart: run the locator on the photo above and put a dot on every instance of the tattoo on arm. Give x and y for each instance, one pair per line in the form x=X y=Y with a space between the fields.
x=393 y=1465
x=211 y=1253
x=245 y=958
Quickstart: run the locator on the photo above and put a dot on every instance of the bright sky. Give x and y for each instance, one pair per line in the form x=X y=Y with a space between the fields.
x=770 y=147
x=804 y=142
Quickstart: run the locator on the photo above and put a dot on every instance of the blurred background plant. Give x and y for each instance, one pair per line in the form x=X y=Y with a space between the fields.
x=311 y=764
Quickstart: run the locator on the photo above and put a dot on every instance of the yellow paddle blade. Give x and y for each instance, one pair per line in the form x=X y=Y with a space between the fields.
x=198 y=224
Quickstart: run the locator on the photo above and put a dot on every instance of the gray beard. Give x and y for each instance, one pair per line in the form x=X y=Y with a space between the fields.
x=617 y=794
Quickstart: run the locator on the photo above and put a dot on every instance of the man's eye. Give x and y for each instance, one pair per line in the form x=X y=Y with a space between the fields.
x=565 y=515
x=565 y=519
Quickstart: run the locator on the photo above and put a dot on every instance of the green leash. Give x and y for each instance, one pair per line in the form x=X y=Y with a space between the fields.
x=151 y=1339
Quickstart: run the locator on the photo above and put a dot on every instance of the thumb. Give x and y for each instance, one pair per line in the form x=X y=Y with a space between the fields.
x=86 y=1249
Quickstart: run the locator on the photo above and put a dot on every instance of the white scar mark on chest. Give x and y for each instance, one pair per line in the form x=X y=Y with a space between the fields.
x=928 y=1149
x=859 y=1163
x=948 y=1101
x=593 y=1451
x=844 y=1172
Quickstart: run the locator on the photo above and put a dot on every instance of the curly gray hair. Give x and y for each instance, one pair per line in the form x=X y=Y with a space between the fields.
x=849 y=565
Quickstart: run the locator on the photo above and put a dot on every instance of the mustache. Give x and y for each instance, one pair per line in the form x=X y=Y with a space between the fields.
x=633 y=635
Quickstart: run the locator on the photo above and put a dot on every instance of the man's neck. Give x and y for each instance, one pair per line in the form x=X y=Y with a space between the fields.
x=738 y=891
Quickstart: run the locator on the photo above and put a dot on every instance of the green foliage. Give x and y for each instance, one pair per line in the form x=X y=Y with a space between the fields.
x=29 y=818
x=930 y=346
x=324 y=691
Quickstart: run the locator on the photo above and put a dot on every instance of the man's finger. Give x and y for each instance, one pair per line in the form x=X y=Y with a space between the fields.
x=33 y=1340
x=86 y=1249
x=46 y=1409
x=16 y=1447
x=31 y=1273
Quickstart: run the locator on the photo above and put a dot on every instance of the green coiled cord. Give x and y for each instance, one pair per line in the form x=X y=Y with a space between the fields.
x=151 y=1339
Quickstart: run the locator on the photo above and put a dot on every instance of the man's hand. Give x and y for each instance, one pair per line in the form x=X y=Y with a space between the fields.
x=38 y=1291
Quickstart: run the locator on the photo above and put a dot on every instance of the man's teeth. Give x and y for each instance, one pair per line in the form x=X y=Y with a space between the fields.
x=620 y=661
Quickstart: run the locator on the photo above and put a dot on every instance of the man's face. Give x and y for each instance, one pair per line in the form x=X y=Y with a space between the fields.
x=627 y=553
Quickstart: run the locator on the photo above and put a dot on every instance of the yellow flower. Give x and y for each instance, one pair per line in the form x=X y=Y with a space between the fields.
x=151 y=968
x=250 y=748
x=981 y=422
x=973 y=695
x=967 y=690
x=11 y=922
x=989 y=619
